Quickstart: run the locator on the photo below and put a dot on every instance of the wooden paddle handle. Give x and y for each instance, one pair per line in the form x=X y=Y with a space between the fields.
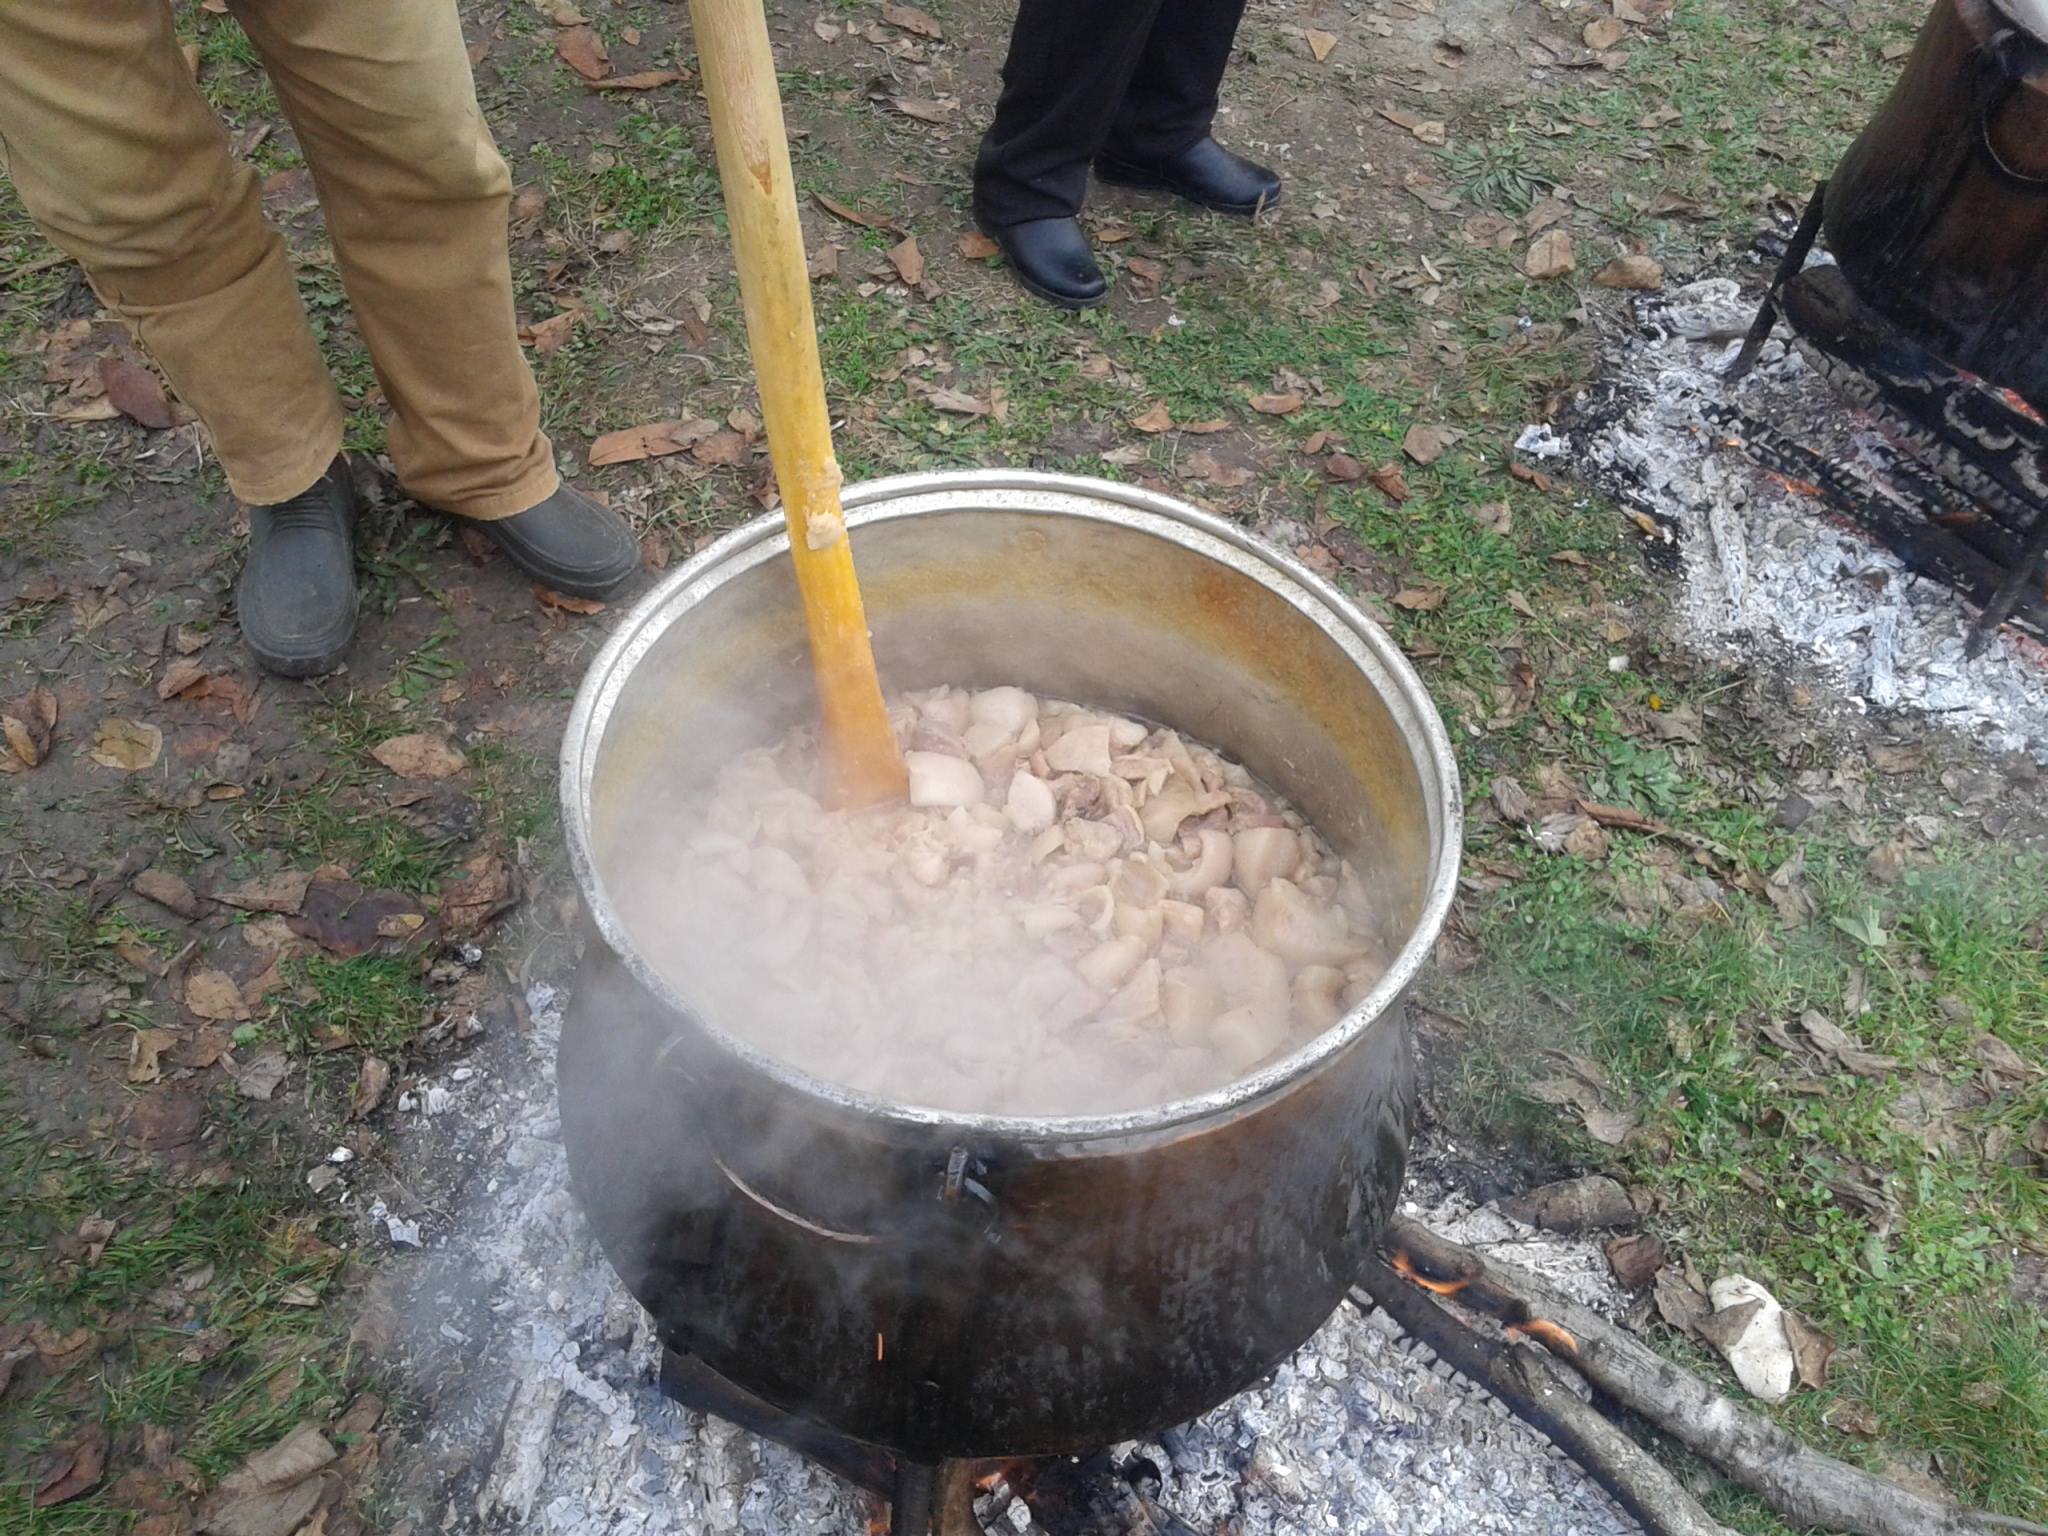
x=864 y=766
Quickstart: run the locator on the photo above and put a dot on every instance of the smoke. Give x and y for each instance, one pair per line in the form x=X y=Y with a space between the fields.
x=1078 y=914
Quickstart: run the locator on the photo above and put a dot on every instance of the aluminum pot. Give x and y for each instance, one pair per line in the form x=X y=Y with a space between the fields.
x=949 y=1285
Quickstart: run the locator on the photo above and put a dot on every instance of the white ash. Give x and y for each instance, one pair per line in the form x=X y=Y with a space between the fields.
x=542 y=1375
x=1576 y=1266
x=1769 y=575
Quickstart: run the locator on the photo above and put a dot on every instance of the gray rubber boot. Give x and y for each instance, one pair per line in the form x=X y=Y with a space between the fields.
x=297 y=599
x=577 y=546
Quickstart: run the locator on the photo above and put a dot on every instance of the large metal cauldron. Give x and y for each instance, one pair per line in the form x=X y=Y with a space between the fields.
x=948 y=1285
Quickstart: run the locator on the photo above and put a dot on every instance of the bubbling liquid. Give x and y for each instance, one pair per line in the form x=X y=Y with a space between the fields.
x=1075 y=914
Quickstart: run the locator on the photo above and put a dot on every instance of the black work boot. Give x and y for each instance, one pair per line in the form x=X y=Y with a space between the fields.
x=297 y=599
x=1052 y=258
x=1204 y=173
x=577 y=546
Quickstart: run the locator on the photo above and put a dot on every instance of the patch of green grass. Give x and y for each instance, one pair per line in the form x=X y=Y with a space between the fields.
x=428 y=666
x=1889 y=1225
x=518 y=792
x=231 y=71
x=654 y=185
x=197 y=1307
x=1499 y=173
x=50 y=493
x=375 y=1002
x=337 y=818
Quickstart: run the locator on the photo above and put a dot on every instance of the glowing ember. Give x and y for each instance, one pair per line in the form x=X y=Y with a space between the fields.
x=1405 y=1267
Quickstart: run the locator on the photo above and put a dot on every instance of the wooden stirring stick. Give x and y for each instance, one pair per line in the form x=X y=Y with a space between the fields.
x=863 y=764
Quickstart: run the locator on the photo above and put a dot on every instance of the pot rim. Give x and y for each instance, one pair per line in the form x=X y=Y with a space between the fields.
x=926 y=493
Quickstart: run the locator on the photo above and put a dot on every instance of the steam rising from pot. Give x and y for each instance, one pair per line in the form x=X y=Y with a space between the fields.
x=1076 y=914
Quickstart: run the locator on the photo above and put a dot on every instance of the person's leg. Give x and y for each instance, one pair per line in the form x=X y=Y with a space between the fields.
x=1161 y=136
x=1069 y=64
x=415 y=197
x=116 y=155
x=1171 y=102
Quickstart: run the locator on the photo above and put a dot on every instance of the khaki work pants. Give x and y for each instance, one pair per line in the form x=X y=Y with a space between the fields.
x=117 y=156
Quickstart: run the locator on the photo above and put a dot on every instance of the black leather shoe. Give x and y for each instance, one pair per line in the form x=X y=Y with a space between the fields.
x=297 y=599
x=1052 y=258
x=1205 y=173
x=577 y=546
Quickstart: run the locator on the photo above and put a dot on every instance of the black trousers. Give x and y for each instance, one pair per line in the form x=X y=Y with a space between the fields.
x=1136 y=79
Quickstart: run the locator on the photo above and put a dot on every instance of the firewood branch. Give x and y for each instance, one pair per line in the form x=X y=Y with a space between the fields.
x=1535 y=1389
x=1804 y=1486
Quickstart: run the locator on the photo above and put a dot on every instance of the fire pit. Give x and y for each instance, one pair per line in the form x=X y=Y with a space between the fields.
x=1931 y=314
x=877 y=1278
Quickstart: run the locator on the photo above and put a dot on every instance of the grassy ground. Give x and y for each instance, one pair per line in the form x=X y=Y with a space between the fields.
x=1893 y=1207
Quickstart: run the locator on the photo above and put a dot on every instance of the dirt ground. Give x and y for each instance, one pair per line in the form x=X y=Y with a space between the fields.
x=240 y=919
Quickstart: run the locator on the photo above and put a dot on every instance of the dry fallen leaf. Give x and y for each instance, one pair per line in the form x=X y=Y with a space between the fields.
x=1279 y=404
x=212 y=995
x=75 y=1467
x=527 y=207
x=1157 y=419
x=373 y=1077
x=859 y=216
x=421 y=755
x=908 y=260
x=168 y=891
x=1550 y=255
x=583 y=51
x=1634 y=272
x=720 y=448
x=480 y=891
x=1636 y=1260
x=145 y=1052
x=957 y=403
x=1428 y=130
x=649 y=441
x=1681 y=1305
x=1425 y=445
x=925 y=109
x=1495 y=516
x=136 y=393
x=824 y=263
x=976 y=246
x=1837 y=1042
x=1812 y=1349
x=283 y=892
x=911 y=19
x=550 y=598
x=1320 y=44
x=1343 y=468
x=1603 y=1123
x=263 y=1075
x=1572 y=832
x=182 y=673
x=128 y=745
x=1391 y=481
x=29 y=726
x=273 y=1492
x=1204 y=465
x=645 y=80
x=1420 y=599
